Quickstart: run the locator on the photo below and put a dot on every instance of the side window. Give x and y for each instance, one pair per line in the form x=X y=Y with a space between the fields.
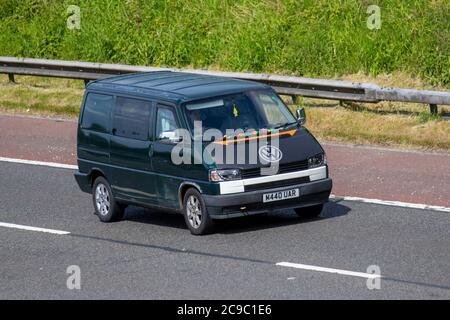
x=166 y=123
x=97 y=111
x=131 y=118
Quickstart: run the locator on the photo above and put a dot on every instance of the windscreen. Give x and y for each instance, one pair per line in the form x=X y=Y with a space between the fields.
x=245 y=111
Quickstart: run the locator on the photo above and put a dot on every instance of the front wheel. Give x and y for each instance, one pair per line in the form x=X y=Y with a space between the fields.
x=195 y=214
x=106 y=208
x=309 y=212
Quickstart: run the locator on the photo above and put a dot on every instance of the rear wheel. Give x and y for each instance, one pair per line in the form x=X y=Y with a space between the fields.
x=195 y=214
x=309 y=212
x=106 y=208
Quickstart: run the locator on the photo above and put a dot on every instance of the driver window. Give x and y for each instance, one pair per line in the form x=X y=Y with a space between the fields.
x=165 y=123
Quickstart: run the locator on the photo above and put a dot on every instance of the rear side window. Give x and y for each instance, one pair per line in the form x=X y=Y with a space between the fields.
x=132 y=118
x=97 y=111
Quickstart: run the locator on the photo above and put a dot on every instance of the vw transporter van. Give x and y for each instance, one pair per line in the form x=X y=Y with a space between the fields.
x=207 y=147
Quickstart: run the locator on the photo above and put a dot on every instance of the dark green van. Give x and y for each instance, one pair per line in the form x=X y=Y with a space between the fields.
x=207 y=147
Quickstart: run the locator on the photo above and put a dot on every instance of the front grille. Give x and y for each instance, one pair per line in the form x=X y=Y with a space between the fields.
x=284 y=168
x=294 y=166
x=276 y=184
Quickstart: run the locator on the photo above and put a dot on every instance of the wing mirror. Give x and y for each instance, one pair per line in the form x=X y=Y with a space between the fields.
x=300 y=115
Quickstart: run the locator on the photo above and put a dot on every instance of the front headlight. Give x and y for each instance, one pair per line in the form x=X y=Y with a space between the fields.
x=317 y=160
x=224 y=175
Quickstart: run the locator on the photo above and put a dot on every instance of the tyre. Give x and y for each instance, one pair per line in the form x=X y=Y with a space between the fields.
x=106 y=208
x=195 y=214
x=309 y=212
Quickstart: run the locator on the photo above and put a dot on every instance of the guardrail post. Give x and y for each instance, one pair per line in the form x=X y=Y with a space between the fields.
x=433 y=108
x=294 y=99
x=11 y=77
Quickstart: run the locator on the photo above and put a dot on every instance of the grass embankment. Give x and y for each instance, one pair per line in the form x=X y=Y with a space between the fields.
x=313 y=38
x=316 y=38
x=406 y=125
x=389 y=124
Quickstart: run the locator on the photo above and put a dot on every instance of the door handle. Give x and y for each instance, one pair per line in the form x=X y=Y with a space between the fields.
x=150 y=150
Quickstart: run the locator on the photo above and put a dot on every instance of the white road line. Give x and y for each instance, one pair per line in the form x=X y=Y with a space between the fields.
x=28 y=228
x=40 y=163
x=393 y=203
x=329 y=270
x=346 y=198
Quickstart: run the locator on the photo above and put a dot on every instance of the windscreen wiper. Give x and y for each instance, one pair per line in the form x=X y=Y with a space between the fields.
x=284 y=125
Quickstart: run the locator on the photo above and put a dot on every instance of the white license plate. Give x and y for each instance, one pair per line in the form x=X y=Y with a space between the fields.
x=281 y=195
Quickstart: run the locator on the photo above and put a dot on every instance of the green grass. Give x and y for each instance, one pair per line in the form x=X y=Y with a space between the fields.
x=405 y=131
x=316 y=38
x=41 y=96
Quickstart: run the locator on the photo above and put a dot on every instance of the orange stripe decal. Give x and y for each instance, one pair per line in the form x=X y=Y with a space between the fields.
x=290 y=132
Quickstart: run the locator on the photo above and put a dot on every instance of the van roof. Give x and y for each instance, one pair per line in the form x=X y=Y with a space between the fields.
x=174 y=86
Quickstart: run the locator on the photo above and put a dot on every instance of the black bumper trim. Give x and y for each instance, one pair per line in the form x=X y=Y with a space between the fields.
x=84 y=181
x=228 y=206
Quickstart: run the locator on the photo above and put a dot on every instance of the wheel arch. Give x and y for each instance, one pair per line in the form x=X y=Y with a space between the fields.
x=183 y=188
x=95 y=173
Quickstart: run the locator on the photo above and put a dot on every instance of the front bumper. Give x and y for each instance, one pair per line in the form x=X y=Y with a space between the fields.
x=249 y=203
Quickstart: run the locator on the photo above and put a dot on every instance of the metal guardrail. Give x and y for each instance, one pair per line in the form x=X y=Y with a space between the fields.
x=285 y=85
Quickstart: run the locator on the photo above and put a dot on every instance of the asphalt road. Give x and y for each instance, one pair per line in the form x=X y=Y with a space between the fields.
x=358 y=171
x=152 y=254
